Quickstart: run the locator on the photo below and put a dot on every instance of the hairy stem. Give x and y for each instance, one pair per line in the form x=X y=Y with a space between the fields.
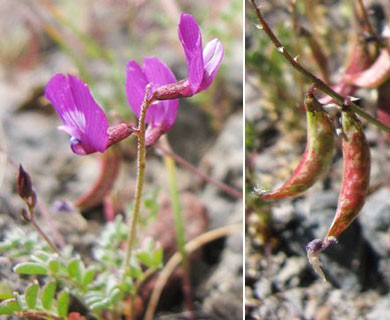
x=321 y=85
x=44 y=236
x=141 y=157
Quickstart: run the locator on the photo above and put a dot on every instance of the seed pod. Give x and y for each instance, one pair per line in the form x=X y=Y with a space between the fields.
x=109 y=171
x=356 y=174
x=373 y=76
x=317 y=157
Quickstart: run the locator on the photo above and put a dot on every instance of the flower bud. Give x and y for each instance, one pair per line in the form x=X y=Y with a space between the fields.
x=24 y=188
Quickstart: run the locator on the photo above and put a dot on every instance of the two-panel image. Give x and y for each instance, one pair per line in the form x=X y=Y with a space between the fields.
x=208 y=160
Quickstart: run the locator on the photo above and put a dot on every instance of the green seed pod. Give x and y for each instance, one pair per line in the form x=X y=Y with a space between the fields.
x=316 y=158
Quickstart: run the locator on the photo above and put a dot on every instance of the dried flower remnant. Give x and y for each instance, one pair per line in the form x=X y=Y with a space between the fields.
x=313 y=249
x=83 y=119
x=202 y=64
x=161 y=115
x=316 y=158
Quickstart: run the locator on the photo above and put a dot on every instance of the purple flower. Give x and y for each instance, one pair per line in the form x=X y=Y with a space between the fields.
x=202 y=64
x=83 y=119
x=202 y=68
x=161 y=115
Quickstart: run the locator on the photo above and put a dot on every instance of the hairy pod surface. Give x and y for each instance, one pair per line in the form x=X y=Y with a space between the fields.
x=356 y=174
x=316 y=158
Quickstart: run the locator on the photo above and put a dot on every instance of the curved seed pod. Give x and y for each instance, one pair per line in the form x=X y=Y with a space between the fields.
x=356 y=177
x=373 y=76
x=317 y=157
x=110 y=166
x=356 y=174
x=359 y=60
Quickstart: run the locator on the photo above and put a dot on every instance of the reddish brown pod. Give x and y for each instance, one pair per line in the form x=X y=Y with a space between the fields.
x=316 y=158
x=373 y=76
x=354 y=187
x=356 y=174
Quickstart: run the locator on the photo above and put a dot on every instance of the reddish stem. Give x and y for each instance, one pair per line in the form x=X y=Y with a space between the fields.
x=229 y=190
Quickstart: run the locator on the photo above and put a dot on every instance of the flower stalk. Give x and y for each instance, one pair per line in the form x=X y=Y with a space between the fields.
x=25 y=190
x=141 y=163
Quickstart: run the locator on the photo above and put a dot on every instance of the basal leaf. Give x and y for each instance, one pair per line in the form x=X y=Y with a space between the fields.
x=158 y=257
x=76 y=269
x=88 y=276
x=10 y=306
x=63 y=303
x=100 y=305
x=31 y=295
x=145 y=258
x=32 y=268
x=54 y=265
x=5 y=310
x=47 y=295
x=5 y=290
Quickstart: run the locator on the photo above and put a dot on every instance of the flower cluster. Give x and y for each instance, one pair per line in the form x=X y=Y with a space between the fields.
x=85 y=121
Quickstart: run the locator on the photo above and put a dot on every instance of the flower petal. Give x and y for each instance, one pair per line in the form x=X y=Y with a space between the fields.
x=212 y=55
x=163 y=113
x=83 y=118
x=191 y=39
x=136 y=82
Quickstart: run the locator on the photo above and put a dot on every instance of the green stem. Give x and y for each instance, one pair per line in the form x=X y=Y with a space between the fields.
x=141 y=157
x=321 y=85
x=170 y=166
x=175 y=201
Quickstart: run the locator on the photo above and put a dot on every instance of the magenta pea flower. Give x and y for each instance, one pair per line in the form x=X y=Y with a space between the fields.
x=161 y=115
x=83 y=119
x=202 y=64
